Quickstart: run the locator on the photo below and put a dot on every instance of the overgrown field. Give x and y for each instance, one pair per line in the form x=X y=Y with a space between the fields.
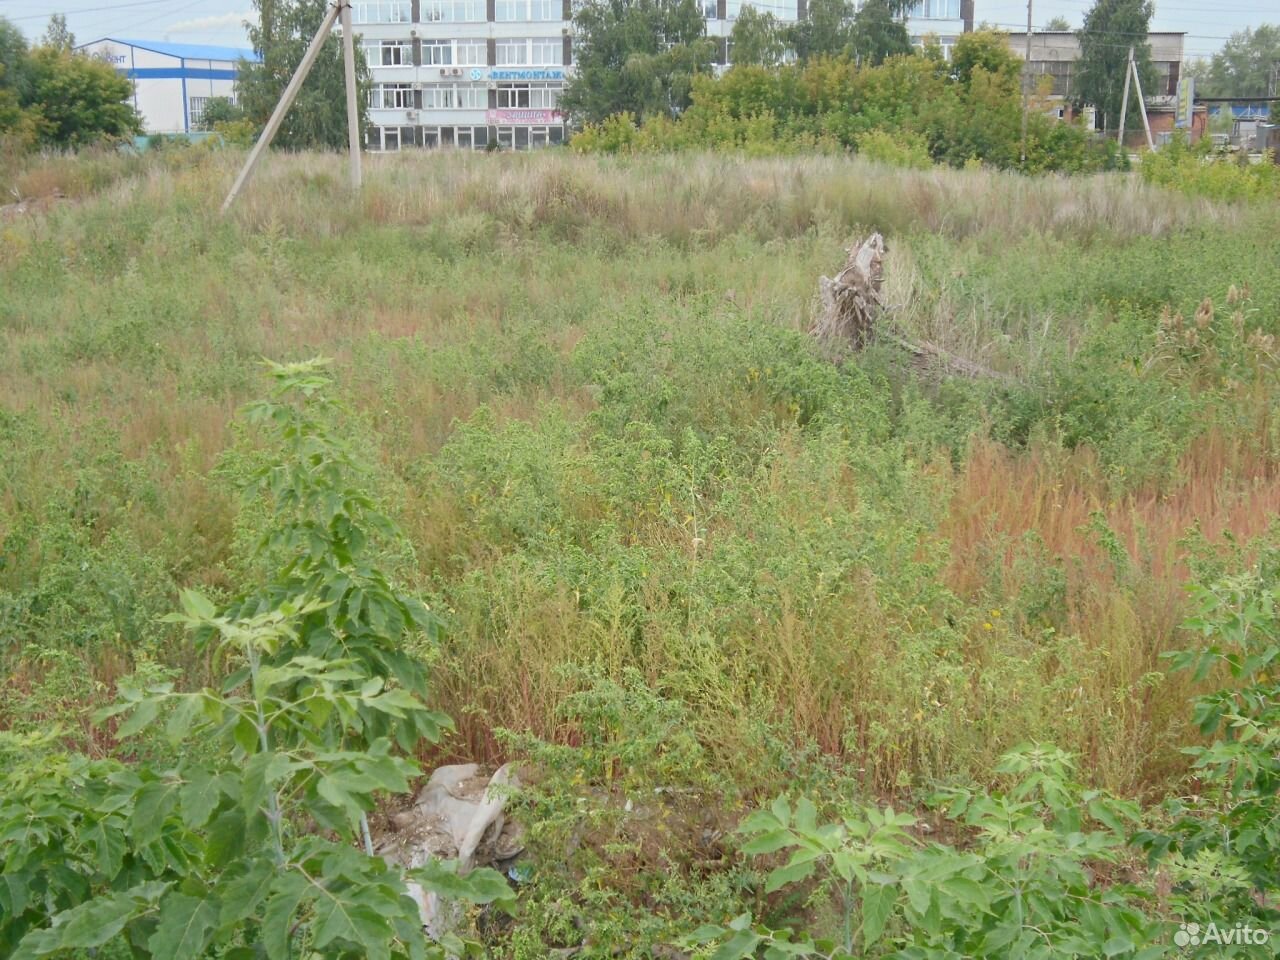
x=661 y=528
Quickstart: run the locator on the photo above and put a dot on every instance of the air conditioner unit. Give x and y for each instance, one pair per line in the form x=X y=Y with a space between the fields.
x=411 y=115
x=444 y=71
x=457 y=71
x=413 y=33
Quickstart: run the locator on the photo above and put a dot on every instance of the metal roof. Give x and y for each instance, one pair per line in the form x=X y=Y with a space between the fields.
x=187 y=51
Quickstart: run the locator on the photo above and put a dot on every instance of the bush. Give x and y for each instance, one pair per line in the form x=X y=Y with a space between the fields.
x=1195 y=170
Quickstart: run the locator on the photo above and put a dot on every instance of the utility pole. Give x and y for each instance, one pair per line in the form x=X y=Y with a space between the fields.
x=291 y=93
x=1142 y=103
x=1026 y=86
x=1124 y=104
x=353 y=111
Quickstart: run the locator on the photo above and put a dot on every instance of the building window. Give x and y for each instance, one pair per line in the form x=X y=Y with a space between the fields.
x=452 y=11
x=388 y=53
x=391 y=96
x=538 y=51
x=437 y=53
x=936 y=10
x=454 y=97
x=709 y=9
x=195 y=112
x=538 y=10
x=471 y=53
x=781 y=9
x=383 y=11
x=512 y=52
x=528 y=96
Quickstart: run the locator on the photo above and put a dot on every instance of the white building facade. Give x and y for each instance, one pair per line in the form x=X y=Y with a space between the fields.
x=465 y=73
x=479 y=74
x=172 y=82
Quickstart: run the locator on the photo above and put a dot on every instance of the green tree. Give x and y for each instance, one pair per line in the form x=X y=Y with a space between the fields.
x=14 y=121
x=57 y=35
x=1060 y=24
x=757 y=39
x=74 y=100
x=827 y=31
x=638 y=56
x=988 y=49
x=1108 y=30
x=318 y=118
x=1245 y=64
x=878 y=33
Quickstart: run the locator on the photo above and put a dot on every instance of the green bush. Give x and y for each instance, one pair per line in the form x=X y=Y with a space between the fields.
x=1195 y=170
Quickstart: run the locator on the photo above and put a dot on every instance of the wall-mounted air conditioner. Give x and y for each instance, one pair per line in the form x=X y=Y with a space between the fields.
x=411 y=115
x=457 y=71
x=444 y=71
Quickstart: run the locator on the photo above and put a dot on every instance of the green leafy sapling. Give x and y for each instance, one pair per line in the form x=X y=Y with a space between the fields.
x=1022 y=886
x=263 y=849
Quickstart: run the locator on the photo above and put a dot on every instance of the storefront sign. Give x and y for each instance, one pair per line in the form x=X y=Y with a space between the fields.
x=524 y=116
x=506 y=73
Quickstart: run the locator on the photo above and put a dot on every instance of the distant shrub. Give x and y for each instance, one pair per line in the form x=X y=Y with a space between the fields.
x=904 y=150
x=1194 y=170
x=908 y=111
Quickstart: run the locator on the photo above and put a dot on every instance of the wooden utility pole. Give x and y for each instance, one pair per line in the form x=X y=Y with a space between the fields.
x=1026 y=86
x=353 y=111
x=1124 y=103
x=291 y=93
x=1142 y=103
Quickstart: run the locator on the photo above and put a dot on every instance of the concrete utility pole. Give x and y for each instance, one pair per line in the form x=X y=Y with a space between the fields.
x=1026 y=86
x=1142 y=102
x=291 y=93
x=1124 y=104
x=353 y=111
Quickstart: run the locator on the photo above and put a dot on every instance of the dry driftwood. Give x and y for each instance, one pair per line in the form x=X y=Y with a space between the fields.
x=851 y=302
x=851 y=308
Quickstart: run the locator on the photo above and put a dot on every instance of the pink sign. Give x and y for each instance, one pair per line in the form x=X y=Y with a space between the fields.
x=524 y=116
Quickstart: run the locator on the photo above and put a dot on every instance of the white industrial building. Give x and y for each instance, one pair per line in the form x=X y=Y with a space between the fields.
x=172 y=82
x=475 y=73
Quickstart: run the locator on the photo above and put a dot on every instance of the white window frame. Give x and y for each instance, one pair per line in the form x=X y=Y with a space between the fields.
x=437 y=53
x=533 y=11
x=471 y=53
x=378 y=52
x=195 y=111
x=530 y=51
x=382 y=11
x=452 y=11
x=391 y=96
x=454 y=96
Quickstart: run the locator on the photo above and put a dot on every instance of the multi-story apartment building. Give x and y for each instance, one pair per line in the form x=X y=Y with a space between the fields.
x=475 y=73
x=464 y=73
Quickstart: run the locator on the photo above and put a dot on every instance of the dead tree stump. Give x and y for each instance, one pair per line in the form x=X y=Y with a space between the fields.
x=851 y=302
x=851 y=307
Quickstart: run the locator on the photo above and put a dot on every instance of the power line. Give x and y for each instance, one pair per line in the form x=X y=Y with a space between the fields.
x=114 y=6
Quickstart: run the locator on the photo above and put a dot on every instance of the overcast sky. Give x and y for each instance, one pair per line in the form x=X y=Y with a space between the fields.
x=220 y=21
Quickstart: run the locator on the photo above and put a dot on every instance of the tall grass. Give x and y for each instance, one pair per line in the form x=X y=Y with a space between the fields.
x=587 y=384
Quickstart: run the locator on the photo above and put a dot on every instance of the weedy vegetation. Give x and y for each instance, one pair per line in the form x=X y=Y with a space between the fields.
x=798 y=658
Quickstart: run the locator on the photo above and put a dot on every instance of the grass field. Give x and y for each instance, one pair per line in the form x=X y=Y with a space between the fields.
x=647 y=506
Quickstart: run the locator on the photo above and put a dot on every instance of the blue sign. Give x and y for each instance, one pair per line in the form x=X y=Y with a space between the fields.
x=504 y=73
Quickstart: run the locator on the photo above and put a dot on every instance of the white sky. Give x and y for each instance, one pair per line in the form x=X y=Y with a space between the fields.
x=219 y=21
